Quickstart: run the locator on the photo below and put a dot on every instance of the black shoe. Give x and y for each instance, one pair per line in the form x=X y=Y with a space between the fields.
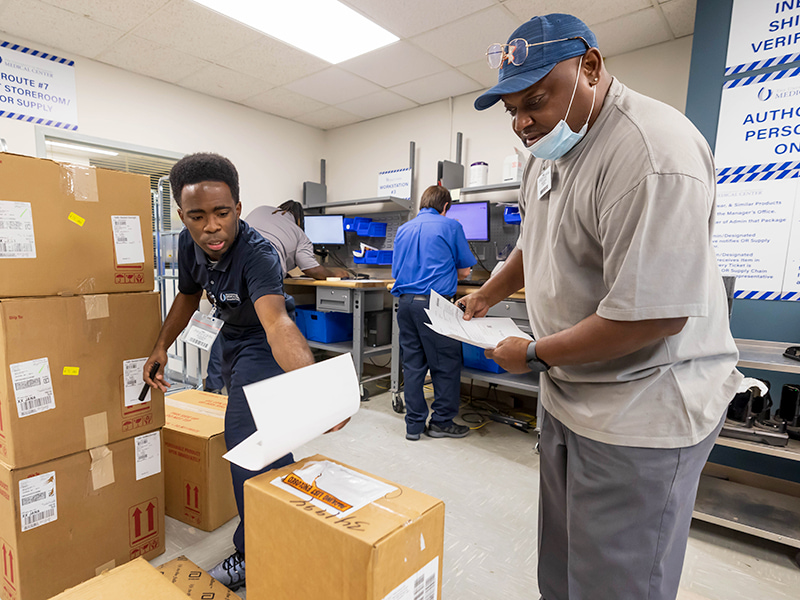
x=414 y=436
x=230 y=572
x=452 y=431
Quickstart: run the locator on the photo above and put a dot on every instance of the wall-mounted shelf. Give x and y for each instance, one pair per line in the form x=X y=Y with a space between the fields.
x=403 y=203
x=494 y=187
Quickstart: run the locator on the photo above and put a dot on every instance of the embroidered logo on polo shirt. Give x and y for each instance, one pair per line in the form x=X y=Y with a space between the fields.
x=230 y=298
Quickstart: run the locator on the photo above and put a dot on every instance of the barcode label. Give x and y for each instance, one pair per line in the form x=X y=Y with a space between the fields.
x=148 y=455
x=38 y=501
x=15 y=248
x=196 y=341
x=33 y=389
x=16 y=225
x=201 y=331
x=133 y=376
x=422 y=585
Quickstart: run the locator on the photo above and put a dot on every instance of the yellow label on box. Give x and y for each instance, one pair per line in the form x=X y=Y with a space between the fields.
x=78 y=220
x=71 y=370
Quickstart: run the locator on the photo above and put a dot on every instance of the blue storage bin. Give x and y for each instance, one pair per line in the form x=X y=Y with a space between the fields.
x=363 y=229
x=511 y=215
x=360 y=260
x=329 y=327
x=371 y=257
x=377 y=229
x=474 y=359
x=349 y=224
x=301 y=317
x=385 y=257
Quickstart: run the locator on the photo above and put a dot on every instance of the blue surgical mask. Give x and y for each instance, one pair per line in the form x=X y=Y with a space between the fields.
x=561 y=139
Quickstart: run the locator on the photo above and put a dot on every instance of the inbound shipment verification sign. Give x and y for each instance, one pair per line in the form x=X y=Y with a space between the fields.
x=36 y=87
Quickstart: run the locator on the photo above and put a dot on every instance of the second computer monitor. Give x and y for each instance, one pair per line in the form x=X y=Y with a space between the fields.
x=325 y=229
x=474 y=218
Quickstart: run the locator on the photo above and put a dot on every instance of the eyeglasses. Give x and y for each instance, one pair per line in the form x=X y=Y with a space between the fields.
x=518 y=51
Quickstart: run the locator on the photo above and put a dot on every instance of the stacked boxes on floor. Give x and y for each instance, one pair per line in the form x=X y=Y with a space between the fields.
x=81 y=479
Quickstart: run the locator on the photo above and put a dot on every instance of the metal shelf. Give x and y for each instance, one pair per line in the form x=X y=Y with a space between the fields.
x=494 y=187
x=790 y=452
x=768 y=356
x=752 y=510
x=401 y=202
x=342 y=347
x=528 y=382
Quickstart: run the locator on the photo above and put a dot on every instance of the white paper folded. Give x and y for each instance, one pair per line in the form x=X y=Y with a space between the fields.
x=294 y=408
x=485 y=332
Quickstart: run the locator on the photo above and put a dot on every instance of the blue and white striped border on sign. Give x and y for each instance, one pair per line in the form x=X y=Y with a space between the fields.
x=763 y=172
x=27 y=119
x=32 y=52
x=774 y=76
x=761 y=295
x=762 y=64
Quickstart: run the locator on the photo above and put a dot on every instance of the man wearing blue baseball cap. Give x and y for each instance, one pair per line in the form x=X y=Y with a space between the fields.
x=635 y=357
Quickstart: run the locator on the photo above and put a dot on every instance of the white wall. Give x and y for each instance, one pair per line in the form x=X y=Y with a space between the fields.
x=273 y=155
x=357 y=153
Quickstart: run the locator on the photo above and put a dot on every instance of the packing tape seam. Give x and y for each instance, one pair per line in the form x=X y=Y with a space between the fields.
x=96 y=306
x=102 y=468
x=95 y=429
x=80 y=182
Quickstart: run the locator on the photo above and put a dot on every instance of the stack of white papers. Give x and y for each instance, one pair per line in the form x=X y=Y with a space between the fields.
x=486 y=332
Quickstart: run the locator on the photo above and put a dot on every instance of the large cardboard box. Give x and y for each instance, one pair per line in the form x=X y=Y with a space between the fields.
x=390 y=548
x=66 y=520
x=136 y=580
x=71 y=373
x=69 y=229
x=194 y=582
x=198 y=479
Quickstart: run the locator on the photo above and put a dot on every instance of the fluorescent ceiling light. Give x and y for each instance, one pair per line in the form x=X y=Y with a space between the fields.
x=325 y=28
x=82 y=148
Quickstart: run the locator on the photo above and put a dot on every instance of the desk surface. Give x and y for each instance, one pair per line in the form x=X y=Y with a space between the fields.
x=344 y=283
x=463 y=290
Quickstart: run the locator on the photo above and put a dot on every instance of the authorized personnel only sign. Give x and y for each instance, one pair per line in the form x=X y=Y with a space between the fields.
x=37 y=87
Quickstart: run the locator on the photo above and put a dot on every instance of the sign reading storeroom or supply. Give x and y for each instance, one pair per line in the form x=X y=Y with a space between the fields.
x=198 y=479
x=71 y=373
x=307 y=538
x=69 y=229
x=68 y=519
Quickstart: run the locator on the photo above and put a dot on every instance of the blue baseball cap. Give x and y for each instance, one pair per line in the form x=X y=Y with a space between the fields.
x=565 y=34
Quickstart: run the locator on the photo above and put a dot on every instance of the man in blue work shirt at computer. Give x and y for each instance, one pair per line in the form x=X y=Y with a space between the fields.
x=431 y=252
x=241 y=274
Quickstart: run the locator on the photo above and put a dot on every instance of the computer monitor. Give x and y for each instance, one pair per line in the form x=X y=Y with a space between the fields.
x=325 y=229
x=474 y=218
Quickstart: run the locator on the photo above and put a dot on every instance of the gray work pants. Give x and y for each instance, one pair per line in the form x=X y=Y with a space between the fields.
x=613 y=520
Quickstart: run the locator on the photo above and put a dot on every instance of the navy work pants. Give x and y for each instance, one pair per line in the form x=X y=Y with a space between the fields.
x=423 y=349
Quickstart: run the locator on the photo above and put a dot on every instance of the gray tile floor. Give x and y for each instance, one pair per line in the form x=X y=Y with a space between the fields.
x=489 y=483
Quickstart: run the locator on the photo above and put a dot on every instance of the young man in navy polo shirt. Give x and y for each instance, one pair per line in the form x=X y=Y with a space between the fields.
x=242 y=276
x=431 y=252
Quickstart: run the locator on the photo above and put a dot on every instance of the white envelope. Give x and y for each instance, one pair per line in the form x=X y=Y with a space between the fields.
x=294 y=408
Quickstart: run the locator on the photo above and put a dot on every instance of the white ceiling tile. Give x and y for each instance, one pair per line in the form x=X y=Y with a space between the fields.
x=147 y=58
x=394 y=64
x=480 y=72
x=196 y=30
x=412 y=17
x=377 y=105
x=273 y=61
x=333 y=86
x=465 y=41
x=590 y=13
x=284 y=103
x=328 y=118
x=632 y=32
x=224 y=83
x=437 y=87
x=53 y=26
x=122 y=14
x=680 y=16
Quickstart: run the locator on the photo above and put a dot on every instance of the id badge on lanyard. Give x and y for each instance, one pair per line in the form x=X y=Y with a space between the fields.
x=202 y=330
x=544 y=182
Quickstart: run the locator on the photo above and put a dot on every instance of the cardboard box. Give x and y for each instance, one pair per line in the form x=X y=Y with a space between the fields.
x=66 y=368
x=57 y=229
x=66 y=520
x=295 y=549
x=136 y=580
x=198 y=479
x=194 y=582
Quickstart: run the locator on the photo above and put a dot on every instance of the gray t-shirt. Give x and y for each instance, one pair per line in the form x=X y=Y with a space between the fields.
x=625 y=232
x=293 y=246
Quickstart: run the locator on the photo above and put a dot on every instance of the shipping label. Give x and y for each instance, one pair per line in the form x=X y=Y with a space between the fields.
x=133 y=374
x=16 y=230
x=37 y=501
x=33 y=387
x=422 y=585
x=148 y=455
x=127 y=239
x=202 y=331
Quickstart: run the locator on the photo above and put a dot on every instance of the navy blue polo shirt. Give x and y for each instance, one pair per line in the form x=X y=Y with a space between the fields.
x=428 y=250
x=250 y=269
